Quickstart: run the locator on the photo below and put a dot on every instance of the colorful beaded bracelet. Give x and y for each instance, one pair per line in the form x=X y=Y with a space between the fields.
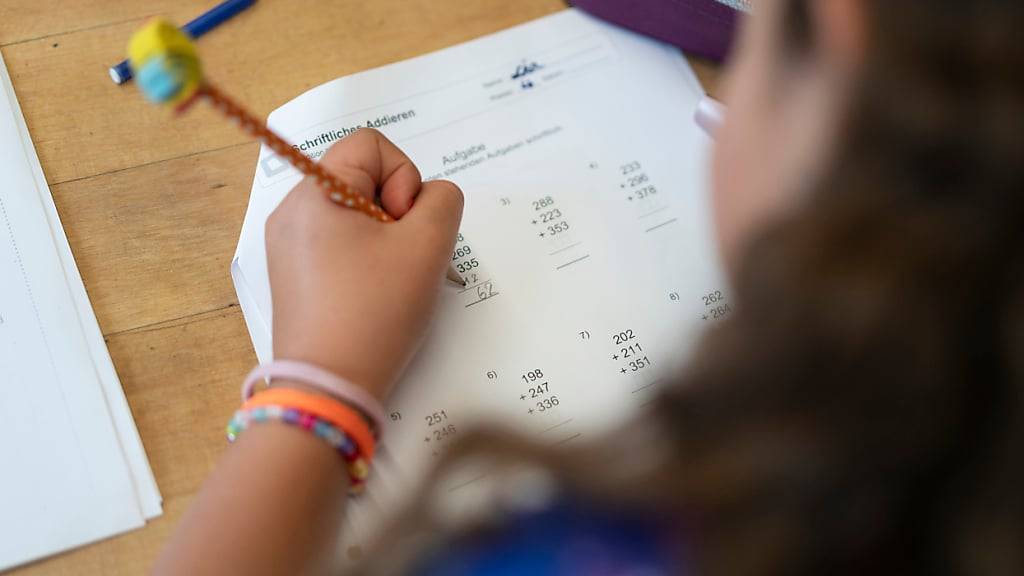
x=323 y=381
x=338 y=414
x=356 y=465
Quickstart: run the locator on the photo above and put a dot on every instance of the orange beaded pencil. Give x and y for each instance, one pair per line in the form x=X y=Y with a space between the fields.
x=167 y=70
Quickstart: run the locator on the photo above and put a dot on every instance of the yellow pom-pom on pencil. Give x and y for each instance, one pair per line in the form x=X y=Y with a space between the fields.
x=168 y=71
x=165 y=62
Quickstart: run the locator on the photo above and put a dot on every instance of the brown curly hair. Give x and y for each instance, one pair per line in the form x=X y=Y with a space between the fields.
x=863 y=412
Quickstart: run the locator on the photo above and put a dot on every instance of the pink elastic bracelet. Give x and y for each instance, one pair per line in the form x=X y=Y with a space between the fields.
x=322 y=380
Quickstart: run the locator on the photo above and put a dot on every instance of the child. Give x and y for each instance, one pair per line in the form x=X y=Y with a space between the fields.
x=863 y=412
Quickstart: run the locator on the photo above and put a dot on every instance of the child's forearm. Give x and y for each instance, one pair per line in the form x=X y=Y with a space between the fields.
x=273 y=505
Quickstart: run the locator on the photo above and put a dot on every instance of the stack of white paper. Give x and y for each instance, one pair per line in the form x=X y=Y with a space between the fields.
x=74 y=470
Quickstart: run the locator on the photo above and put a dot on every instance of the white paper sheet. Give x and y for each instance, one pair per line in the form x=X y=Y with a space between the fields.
x=74 y=468
x=586 y=237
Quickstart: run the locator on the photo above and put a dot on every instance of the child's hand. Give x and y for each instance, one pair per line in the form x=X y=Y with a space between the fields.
x=351 y=294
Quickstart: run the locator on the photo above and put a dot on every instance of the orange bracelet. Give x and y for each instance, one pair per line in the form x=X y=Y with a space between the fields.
x=328 y=409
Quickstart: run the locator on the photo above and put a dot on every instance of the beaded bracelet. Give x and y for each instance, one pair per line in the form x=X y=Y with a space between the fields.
x=338 y=414
x=320 y=379
x=355 y=464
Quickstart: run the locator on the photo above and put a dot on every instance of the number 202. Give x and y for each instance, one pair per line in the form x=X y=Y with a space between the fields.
x=622 y=337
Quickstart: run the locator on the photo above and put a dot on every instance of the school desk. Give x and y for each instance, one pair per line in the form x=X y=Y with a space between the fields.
x=153 y=206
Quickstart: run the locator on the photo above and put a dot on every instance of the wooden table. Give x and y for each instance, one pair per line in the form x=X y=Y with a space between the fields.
x=153 y=207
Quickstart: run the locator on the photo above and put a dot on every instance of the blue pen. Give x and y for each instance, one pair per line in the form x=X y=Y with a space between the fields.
x=196 y=28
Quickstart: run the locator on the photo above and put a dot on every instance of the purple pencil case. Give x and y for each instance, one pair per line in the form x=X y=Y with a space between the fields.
x=700 y=27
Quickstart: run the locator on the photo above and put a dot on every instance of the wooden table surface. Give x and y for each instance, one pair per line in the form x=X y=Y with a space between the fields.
x=153 y=207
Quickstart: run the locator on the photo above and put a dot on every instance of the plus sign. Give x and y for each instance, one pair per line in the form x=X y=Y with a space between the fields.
x=427 y=439
x=534 y=221
x=530 y=411
x=630 y=198
x=541 y=234
x=615 y=356
x=705 y=317
x=522 y=396
x=623 y=370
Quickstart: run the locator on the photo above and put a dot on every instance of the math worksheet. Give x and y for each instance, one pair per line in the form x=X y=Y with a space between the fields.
x=586 y=240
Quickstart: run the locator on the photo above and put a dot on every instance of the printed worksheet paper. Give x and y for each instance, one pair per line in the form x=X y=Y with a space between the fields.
x=586 y=238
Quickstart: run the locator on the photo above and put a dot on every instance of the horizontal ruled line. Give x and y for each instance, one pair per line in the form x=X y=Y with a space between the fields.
x=646 y=386
x=663 y=224
x=658 y=211
x=562 y=423
x=567 y=264
x=482 y=300
x=569 y=439
x=564 y=249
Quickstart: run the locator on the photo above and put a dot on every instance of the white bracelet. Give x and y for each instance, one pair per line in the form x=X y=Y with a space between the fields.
x=322 y=380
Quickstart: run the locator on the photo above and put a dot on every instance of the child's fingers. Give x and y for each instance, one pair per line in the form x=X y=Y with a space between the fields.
x=435 y=217
x=368 y=152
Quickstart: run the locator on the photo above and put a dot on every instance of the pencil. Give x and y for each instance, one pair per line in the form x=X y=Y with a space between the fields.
x=336 y=189
x=170 y=73
x=202 y=24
